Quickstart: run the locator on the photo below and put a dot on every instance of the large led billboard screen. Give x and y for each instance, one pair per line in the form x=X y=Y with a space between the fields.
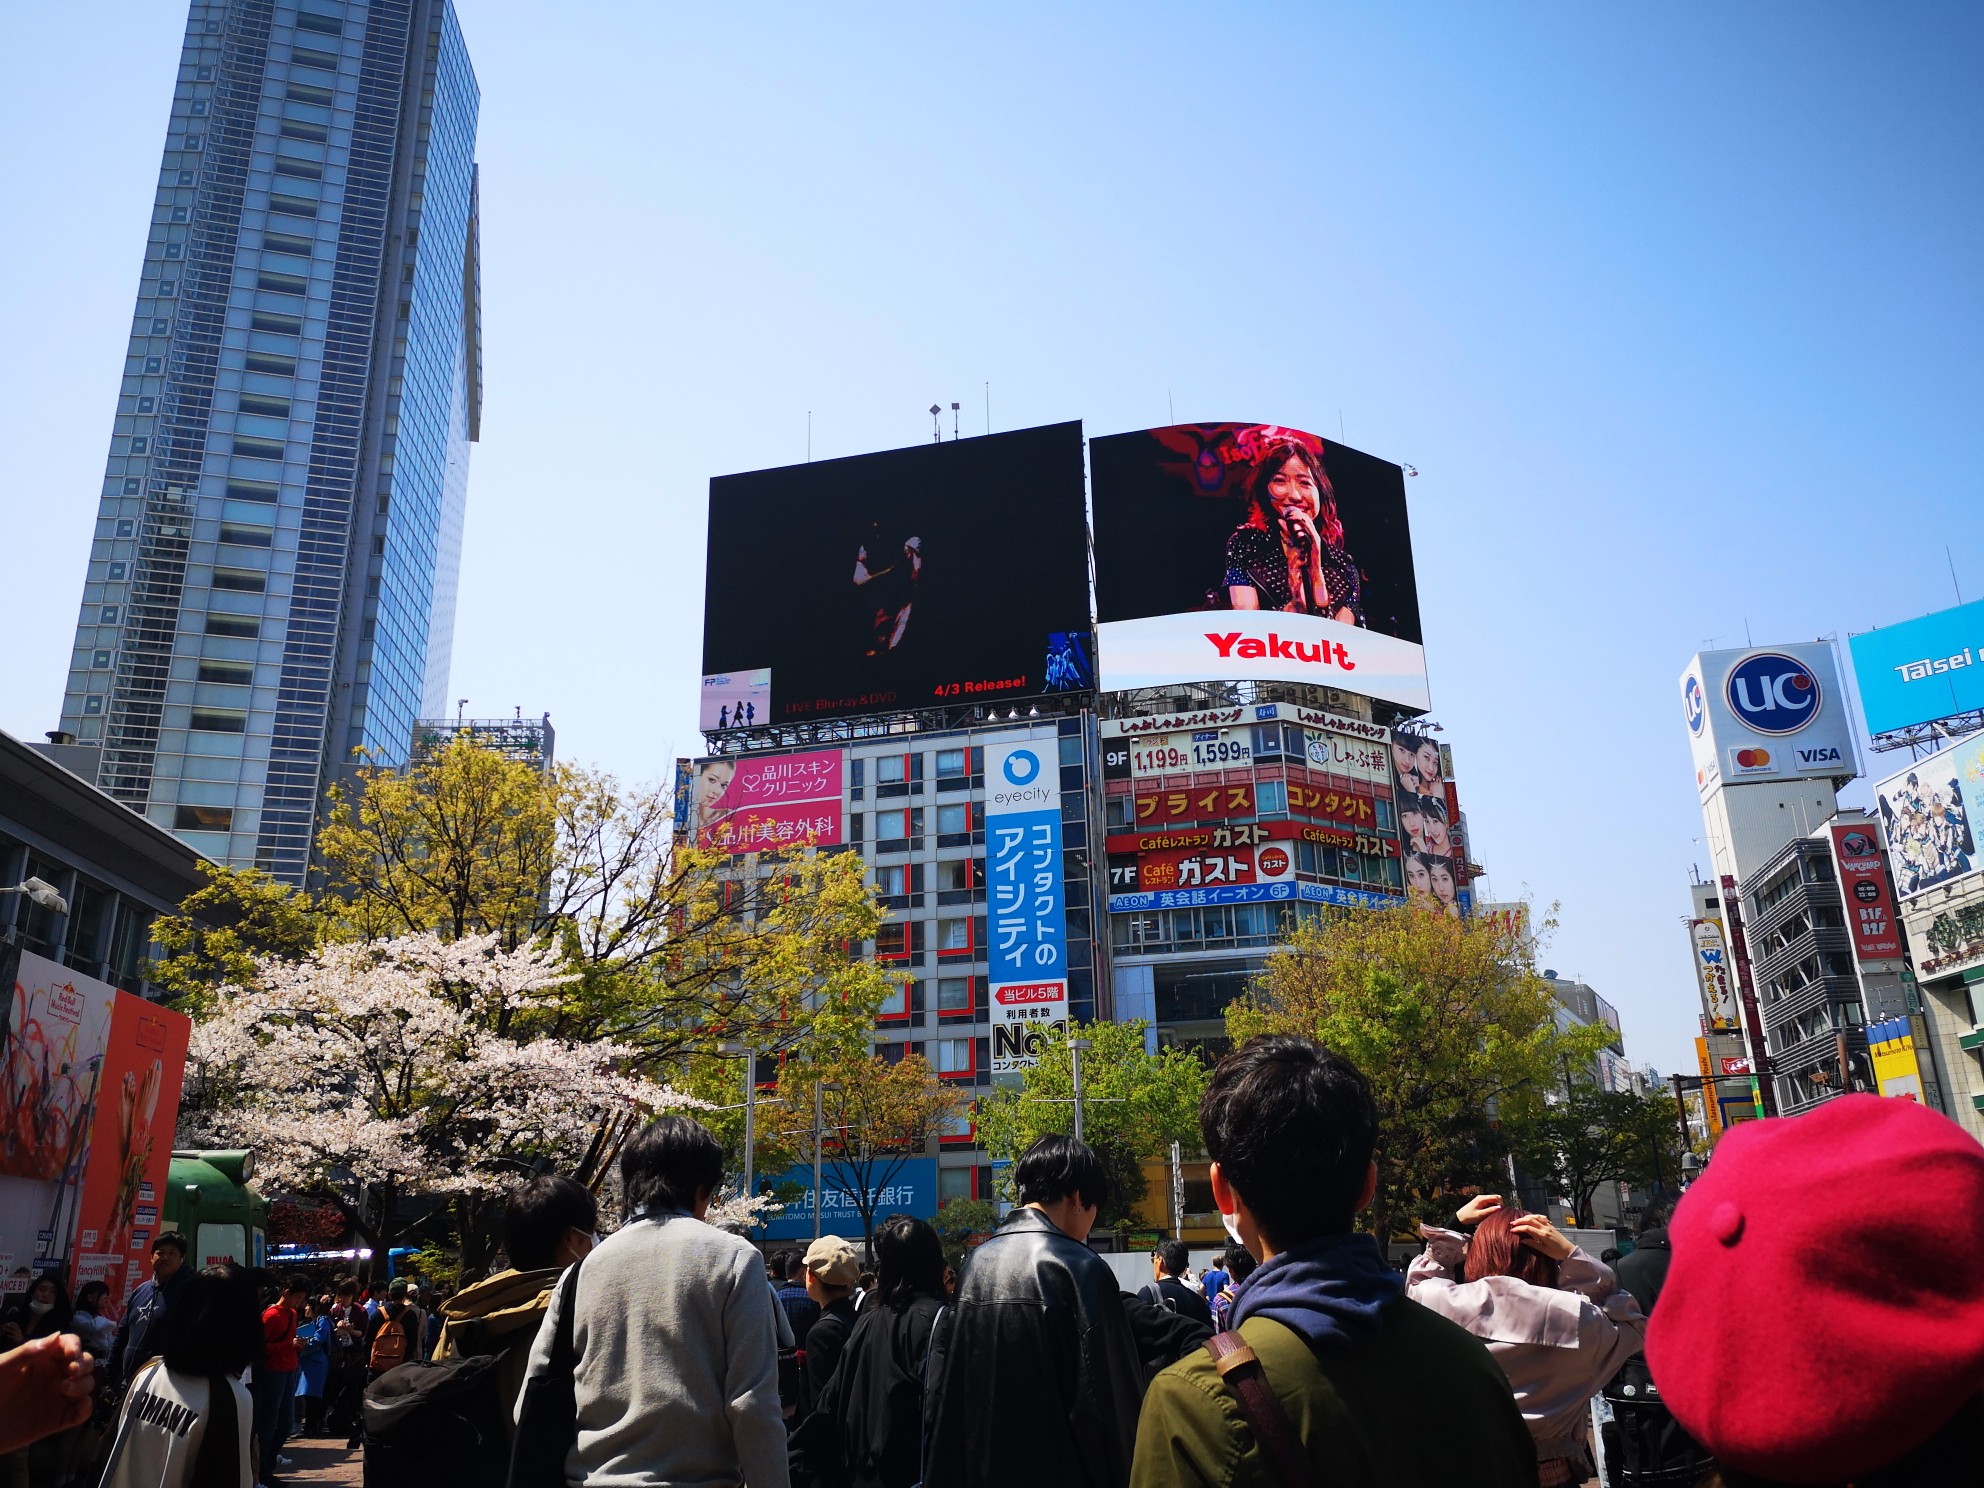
x=1233 y=552
x=1921 y=669
x=949 y=572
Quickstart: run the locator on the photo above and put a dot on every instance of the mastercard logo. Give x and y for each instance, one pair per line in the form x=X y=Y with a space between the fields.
x=1753 y=759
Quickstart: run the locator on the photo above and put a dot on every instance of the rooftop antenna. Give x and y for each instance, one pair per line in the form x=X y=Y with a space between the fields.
x=954 y=421
x=988 y=407
x=1746 y=632
x=1170 y=411
x=809 y=436
x=1953 y=583
x=461 y=705
x=936 y=428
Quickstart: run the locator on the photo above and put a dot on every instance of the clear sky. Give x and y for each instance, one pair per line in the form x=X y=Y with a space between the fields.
x=1675 y=308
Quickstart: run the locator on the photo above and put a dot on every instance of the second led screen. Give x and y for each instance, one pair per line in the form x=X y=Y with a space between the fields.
x=1253 y=551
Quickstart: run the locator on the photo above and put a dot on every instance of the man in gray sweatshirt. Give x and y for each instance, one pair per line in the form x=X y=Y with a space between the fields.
x=677 y=1369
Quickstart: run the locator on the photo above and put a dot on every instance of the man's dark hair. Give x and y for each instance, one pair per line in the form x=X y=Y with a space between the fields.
x=909 y=1258
x=1292 y=1127
x=295 y=1282
x=216 y=1325
x=537 y=1215
x=668 y=1163
x=397 y=1289
x=173 y=1240
x=1658 y=1212
x=1240 y=1265
x=1172 y=1257
x=1055 y=1167
x=795 y=1266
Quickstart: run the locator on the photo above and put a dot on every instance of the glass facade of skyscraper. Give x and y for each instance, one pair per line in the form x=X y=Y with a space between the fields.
x=272 y=580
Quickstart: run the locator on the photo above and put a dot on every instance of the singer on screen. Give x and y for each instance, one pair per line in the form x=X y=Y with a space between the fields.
x=1288 y=554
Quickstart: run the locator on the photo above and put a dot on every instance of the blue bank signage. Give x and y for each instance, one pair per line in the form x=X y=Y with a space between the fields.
x=1921 y=669
x=910 y=1188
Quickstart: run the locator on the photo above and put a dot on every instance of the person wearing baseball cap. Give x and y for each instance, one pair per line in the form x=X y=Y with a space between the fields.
x=832 y=1269
x=1822 y=1320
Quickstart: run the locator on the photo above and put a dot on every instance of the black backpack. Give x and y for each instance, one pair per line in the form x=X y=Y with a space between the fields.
x=428 y=1423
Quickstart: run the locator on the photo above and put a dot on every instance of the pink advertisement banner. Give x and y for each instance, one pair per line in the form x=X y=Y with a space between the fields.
x=762 y=805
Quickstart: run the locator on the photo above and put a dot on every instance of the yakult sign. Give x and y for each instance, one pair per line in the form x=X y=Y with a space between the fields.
x=1261 y=646
x=1026 y=909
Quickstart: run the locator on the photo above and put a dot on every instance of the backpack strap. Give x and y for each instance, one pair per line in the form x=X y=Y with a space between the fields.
x=1241 y=1372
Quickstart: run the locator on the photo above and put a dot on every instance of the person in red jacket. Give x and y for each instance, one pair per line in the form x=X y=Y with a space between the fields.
x=274 y=1382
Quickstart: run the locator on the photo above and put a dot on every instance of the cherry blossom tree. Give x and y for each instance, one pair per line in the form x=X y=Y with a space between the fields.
x=414 y=1067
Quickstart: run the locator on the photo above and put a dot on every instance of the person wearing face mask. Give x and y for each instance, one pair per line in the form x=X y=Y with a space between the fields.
x=1328 y=1371
x=548 y=1225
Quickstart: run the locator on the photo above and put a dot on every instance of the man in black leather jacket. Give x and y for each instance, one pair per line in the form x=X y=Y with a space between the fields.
x=1038 y=1368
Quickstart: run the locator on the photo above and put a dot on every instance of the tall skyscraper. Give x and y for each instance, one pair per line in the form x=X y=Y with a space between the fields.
x=272 y=581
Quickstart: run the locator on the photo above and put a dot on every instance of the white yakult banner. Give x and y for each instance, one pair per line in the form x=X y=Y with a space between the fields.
x=1261 y=646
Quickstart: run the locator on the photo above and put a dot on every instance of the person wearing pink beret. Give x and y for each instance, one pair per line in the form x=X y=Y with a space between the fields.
x=1822 y=1321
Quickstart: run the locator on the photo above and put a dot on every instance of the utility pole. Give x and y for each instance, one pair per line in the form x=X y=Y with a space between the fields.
x=750 y=1120
x=1076 y=1048
x=819 y=1137
x=1177 y=1193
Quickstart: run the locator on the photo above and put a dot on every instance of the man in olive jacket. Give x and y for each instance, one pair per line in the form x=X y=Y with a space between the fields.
x=1377 y=1390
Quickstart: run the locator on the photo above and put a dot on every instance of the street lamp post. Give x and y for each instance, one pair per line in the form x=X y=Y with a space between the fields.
x=1076 y=1048
x=819 y=1136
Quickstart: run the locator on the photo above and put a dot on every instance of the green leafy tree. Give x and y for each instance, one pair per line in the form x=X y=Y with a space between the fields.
x=225 y=927
x=1135 y=1104
x=960 y=1222
x=1449 y=1022
x=875 y=1115
x=1590 y=1136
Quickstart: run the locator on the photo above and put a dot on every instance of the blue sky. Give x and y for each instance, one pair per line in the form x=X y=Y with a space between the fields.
x=1675 y=309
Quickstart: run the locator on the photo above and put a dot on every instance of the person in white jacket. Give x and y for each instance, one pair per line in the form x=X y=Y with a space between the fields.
x=187 y=1416
x=1555 y=1319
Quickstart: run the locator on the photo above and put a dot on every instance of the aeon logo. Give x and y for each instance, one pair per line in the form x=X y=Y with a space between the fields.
x=1021 y=766
x=1694 y=703
x=1773 y=693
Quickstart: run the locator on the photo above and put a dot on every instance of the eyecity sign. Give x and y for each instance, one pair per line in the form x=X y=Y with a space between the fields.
x=1026 y=913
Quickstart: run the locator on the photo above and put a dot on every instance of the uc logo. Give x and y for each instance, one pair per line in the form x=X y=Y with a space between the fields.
x=1693 y=704
x=1773 y=693
x=1021 y=766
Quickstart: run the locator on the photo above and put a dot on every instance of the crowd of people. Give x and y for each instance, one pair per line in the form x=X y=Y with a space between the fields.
x=1811 y=1314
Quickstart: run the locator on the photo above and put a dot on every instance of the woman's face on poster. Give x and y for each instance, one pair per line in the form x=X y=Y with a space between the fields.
x=1405 y=763
x=1429 y=762
x=1415 y=828
x=1292 y=489
x=1443 y=882
x=1416 y=877
x=1436 y=837
x=713 y=781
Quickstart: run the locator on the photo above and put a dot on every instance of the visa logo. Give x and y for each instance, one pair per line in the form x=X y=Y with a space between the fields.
x=1822 y=756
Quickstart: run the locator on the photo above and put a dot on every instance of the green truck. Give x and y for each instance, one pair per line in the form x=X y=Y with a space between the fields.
x=208 y=1199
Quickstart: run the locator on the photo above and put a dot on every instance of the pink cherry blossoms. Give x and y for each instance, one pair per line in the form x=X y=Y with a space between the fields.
x=417 y=1064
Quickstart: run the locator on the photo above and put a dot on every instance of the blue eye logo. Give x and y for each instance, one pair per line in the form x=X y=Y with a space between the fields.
x=1022 y=765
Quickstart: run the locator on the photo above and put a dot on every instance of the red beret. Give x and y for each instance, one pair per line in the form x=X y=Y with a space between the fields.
x=1823 y=1312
